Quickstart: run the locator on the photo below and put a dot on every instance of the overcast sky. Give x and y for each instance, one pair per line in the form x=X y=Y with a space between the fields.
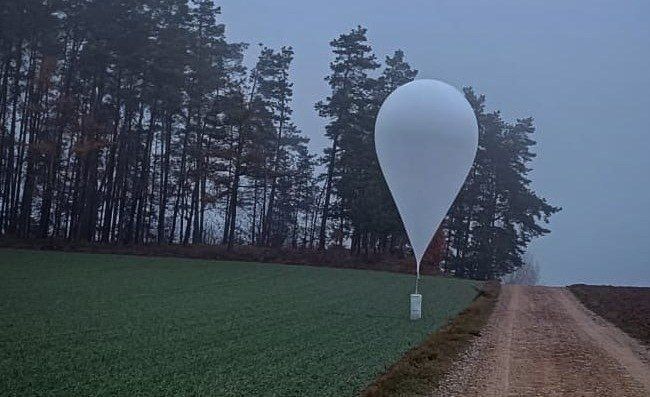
x=581 y=68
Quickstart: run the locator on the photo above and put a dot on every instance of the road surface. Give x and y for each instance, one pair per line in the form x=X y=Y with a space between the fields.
x=540 y=341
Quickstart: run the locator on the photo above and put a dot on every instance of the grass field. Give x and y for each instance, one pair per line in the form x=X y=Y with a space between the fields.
x=91 y=324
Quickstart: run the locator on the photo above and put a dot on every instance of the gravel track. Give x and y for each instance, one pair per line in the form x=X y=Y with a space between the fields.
x=540 y=341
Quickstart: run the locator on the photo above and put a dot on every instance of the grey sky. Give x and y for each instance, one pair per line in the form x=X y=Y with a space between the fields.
x=581 y=68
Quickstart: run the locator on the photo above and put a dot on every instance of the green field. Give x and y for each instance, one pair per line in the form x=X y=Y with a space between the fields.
x=91 y=324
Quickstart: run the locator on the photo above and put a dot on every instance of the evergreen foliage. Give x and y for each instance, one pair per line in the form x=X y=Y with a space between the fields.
x=136 y=122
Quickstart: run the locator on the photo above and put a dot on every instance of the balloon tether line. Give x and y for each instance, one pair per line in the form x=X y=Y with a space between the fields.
x=417 y=280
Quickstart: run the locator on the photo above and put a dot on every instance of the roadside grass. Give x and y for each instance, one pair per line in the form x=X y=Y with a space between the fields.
x=96 y=324
x=421 y=369
x=626 y=307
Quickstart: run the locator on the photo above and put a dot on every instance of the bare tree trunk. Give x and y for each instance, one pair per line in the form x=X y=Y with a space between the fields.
x=235 y=190
x=162 y=206
x=328 y=194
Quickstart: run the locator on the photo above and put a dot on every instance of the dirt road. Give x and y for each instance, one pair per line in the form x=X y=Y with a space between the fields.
x=540 y=341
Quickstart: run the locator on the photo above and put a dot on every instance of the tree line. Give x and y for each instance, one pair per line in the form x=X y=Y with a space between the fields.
x=132 y=122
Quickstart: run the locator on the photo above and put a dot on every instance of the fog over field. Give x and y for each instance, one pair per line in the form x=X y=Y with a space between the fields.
x=580 y=68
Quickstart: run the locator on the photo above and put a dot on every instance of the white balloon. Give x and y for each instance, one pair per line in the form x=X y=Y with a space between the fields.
x=426 y=138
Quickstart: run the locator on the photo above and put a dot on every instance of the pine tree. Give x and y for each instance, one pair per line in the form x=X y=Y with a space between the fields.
x=349 y=99
x=497 y=213
x=136 y=121
x=379 y=220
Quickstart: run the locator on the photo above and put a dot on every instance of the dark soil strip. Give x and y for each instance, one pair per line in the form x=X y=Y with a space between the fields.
x=420 y=370
x=626 y=307
x=332 y=257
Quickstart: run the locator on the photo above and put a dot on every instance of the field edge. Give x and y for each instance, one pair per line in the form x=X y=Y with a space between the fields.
x=420 y=370
x=332 y=257
x=627 y=308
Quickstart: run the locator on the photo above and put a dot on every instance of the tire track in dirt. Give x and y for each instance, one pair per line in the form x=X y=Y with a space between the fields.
x=540 y=341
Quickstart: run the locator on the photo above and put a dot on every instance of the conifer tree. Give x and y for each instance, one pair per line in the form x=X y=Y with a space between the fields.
x=497 y=213
x=350 y=98
x=136 y=122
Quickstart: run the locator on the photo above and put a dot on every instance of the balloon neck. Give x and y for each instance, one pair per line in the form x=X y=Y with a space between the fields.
x=417 y=281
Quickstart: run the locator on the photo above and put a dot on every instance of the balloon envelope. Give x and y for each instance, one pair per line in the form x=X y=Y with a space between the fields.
x=426 y=138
